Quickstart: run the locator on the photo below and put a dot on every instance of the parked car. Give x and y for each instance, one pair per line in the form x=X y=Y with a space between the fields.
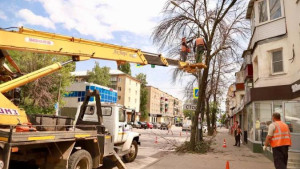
x=163 y=126
x=156 y=125
x=186 y=127
x=149 y=125
x=178 y=124
x=129 y=124
x=143 y=125
x=136 y=125
x=204 y=129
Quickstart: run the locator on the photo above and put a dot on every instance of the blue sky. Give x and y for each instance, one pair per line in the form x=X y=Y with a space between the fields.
x=128 y=23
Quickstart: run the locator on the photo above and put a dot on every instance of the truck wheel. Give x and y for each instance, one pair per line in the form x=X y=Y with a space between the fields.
x=130 y=157
x=81 y=159
x=1 y=159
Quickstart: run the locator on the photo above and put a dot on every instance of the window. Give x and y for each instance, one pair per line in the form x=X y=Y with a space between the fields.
x=263 y=11
x=119 y=79
x=292 y=116
x=253 y=20
x=277 y=61
x=135 y=100
x=121 y=115
x=129 y=99
x=136 y=92
x=106 y=111
x=263 y=117
x=275 y=9
x=255 y=69
x=119 y=88
x=119 y=97
x=129 y=90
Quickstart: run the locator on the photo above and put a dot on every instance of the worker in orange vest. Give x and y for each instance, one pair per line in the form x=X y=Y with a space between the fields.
x=199 y=48
x=279 y=138
x=184 y=50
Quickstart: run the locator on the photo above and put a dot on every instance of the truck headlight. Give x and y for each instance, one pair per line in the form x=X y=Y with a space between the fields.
x=1 y=164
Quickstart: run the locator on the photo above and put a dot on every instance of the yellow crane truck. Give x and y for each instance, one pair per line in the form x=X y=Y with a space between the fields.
x=74 y=146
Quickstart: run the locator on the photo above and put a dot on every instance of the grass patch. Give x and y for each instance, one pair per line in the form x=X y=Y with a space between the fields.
x=200 y=147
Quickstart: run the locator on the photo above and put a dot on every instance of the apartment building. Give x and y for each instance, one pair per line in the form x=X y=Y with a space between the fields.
x=271 y=73
x=163 y=107
x=127 y=87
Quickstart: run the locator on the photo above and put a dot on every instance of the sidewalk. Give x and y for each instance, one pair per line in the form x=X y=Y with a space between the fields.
x=238 y=157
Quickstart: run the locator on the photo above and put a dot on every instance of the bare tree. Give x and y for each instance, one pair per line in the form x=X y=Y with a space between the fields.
x=222 y=25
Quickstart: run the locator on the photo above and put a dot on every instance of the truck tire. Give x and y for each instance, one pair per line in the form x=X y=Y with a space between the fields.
x=130 y=157
x=1 y=159
x=80 y=159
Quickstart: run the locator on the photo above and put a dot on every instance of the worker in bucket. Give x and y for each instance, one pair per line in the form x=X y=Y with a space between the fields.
x=184 y=50
x=199 y=48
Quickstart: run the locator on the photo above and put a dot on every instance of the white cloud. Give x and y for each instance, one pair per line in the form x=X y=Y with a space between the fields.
x=3 y=16
x=100 y=18
x=32 y=19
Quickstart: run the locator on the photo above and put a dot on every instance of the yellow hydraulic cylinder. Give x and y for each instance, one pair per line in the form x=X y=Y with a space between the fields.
x=5 y=87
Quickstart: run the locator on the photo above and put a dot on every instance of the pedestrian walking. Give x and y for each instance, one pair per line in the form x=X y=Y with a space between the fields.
x=238 y=136
x=235 y=128
x=170 y=128
x=279 y=138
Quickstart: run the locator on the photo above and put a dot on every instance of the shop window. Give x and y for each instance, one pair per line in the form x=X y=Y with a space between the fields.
x=263 y=11
x=292 y=116
x=277 y=61
x=277 y=108
x=263 y=117
x=275 y=9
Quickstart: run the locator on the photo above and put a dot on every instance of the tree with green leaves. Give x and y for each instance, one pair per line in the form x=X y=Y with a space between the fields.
x=99 y=75
x=189 y=114
x=143 y=96
x=40 y=96
x=125 y=68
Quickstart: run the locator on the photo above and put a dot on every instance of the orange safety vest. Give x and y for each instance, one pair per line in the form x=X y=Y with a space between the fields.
x=281 y=136
x=184 y=48
x=199 y=41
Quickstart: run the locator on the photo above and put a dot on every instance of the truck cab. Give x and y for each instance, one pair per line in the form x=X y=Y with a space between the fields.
x=114 y=119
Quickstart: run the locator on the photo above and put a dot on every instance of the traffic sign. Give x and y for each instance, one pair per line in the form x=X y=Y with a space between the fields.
x=189 y=107
x=196 y=92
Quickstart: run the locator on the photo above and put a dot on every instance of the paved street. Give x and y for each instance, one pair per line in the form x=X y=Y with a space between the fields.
x=161 y=155
x=150 y=151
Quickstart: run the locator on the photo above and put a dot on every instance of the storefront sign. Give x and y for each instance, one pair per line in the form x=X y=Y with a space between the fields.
x=189 y=107
x=295 y=87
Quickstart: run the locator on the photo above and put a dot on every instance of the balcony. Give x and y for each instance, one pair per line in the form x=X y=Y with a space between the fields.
x=248 y=72
x=239 y=86
x=239 y=77
x=268 y=30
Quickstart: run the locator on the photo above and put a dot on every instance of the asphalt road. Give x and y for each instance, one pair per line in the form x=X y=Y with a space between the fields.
x=155 y=144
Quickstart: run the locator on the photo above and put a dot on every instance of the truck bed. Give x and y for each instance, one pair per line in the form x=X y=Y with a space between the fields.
x=11 y=136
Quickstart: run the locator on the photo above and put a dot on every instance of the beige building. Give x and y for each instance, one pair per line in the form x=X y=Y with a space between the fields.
x=128 y=88
x=271 y=73
x=163 y=107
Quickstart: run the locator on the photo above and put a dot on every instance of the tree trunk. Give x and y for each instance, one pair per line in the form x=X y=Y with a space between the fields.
x=202 y=84
x=208 y=119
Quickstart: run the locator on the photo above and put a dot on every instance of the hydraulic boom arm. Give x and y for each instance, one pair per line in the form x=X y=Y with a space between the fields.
x=80 y=49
